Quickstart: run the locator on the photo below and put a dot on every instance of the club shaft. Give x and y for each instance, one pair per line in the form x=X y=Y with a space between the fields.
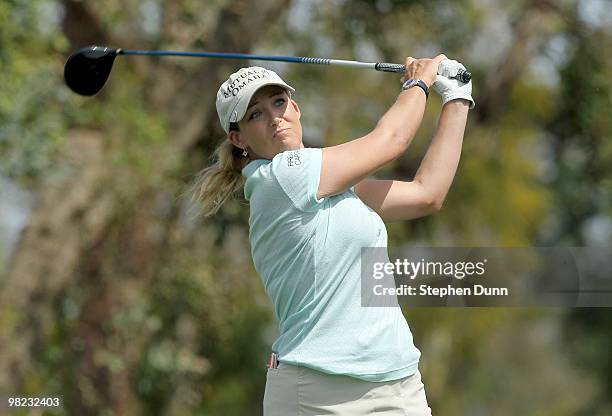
x=298 y=59
x=379 y=66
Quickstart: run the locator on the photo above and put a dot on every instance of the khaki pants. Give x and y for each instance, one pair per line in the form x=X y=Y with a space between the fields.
x=293 y=390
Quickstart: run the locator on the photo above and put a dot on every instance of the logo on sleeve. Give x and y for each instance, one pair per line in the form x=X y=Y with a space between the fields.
x=293 y=158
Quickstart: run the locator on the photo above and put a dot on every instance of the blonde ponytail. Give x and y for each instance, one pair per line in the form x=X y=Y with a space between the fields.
x=215 y=184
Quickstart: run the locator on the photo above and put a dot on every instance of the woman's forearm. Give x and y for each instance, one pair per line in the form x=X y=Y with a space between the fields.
x=440 y=163
x=401 y=122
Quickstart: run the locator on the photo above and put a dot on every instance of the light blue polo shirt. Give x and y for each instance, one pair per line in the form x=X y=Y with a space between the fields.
x=307 y=253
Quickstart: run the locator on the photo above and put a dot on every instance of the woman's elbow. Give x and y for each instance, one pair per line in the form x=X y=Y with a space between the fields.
x=431 y=201
x=395 y=144
x=436 y=205
x=429 y=208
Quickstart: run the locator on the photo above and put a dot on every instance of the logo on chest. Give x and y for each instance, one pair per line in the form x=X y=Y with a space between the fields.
x=293 y=158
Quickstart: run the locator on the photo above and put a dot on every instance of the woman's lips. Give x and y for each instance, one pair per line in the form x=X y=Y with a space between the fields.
x=280 y=131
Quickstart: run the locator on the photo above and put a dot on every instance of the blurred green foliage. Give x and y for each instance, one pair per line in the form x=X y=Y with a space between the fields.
x=194 y=339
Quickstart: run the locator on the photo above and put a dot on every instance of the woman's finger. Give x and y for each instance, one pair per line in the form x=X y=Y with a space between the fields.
x=409 y=60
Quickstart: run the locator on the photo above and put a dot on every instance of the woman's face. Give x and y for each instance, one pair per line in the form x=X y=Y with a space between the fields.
x=270 y=126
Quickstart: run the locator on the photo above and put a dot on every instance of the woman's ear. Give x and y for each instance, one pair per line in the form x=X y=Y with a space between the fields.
x=236 y=138
x=296 y=107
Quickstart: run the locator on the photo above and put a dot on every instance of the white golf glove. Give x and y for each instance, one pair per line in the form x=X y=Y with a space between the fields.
x=450 y=88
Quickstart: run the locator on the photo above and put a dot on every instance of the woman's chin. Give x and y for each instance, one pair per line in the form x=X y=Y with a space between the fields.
x=291 y=145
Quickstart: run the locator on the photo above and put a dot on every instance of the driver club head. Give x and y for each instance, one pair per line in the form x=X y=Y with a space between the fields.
x=88 y=68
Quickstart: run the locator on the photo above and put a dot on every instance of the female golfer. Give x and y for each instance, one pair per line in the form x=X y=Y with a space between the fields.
x=311 y=213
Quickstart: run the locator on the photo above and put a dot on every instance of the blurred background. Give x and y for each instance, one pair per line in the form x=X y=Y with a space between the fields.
x=115 y=296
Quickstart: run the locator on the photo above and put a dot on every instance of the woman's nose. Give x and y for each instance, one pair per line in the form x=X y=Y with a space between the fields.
x=275 y=120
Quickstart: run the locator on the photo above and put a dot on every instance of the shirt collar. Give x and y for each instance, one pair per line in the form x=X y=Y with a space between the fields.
x=252 y=166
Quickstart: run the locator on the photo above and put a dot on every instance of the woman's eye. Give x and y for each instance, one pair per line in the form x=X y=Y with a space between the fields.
x=279 y=103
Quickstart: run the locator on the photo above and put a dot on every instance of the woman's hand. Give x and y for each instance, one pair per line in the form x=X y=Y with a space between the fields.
x=450 y=88
x=424 y=69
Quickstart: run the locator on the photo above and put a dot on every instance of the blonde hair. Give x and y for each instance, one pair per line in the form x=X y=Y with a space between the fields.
x=214 y=185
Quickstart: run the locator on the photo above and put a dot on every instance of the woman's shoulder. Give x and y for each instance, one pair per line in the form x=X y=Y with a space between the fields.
x=297 y=157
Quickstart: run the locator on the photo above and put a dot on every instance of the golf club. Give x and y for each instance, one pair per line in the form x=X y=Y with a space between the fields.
x=88 y=68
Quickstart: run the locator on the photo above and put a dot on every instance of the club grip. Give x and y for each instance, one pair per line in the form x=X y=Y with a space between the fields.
x=382 y=66
x=462 y=75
